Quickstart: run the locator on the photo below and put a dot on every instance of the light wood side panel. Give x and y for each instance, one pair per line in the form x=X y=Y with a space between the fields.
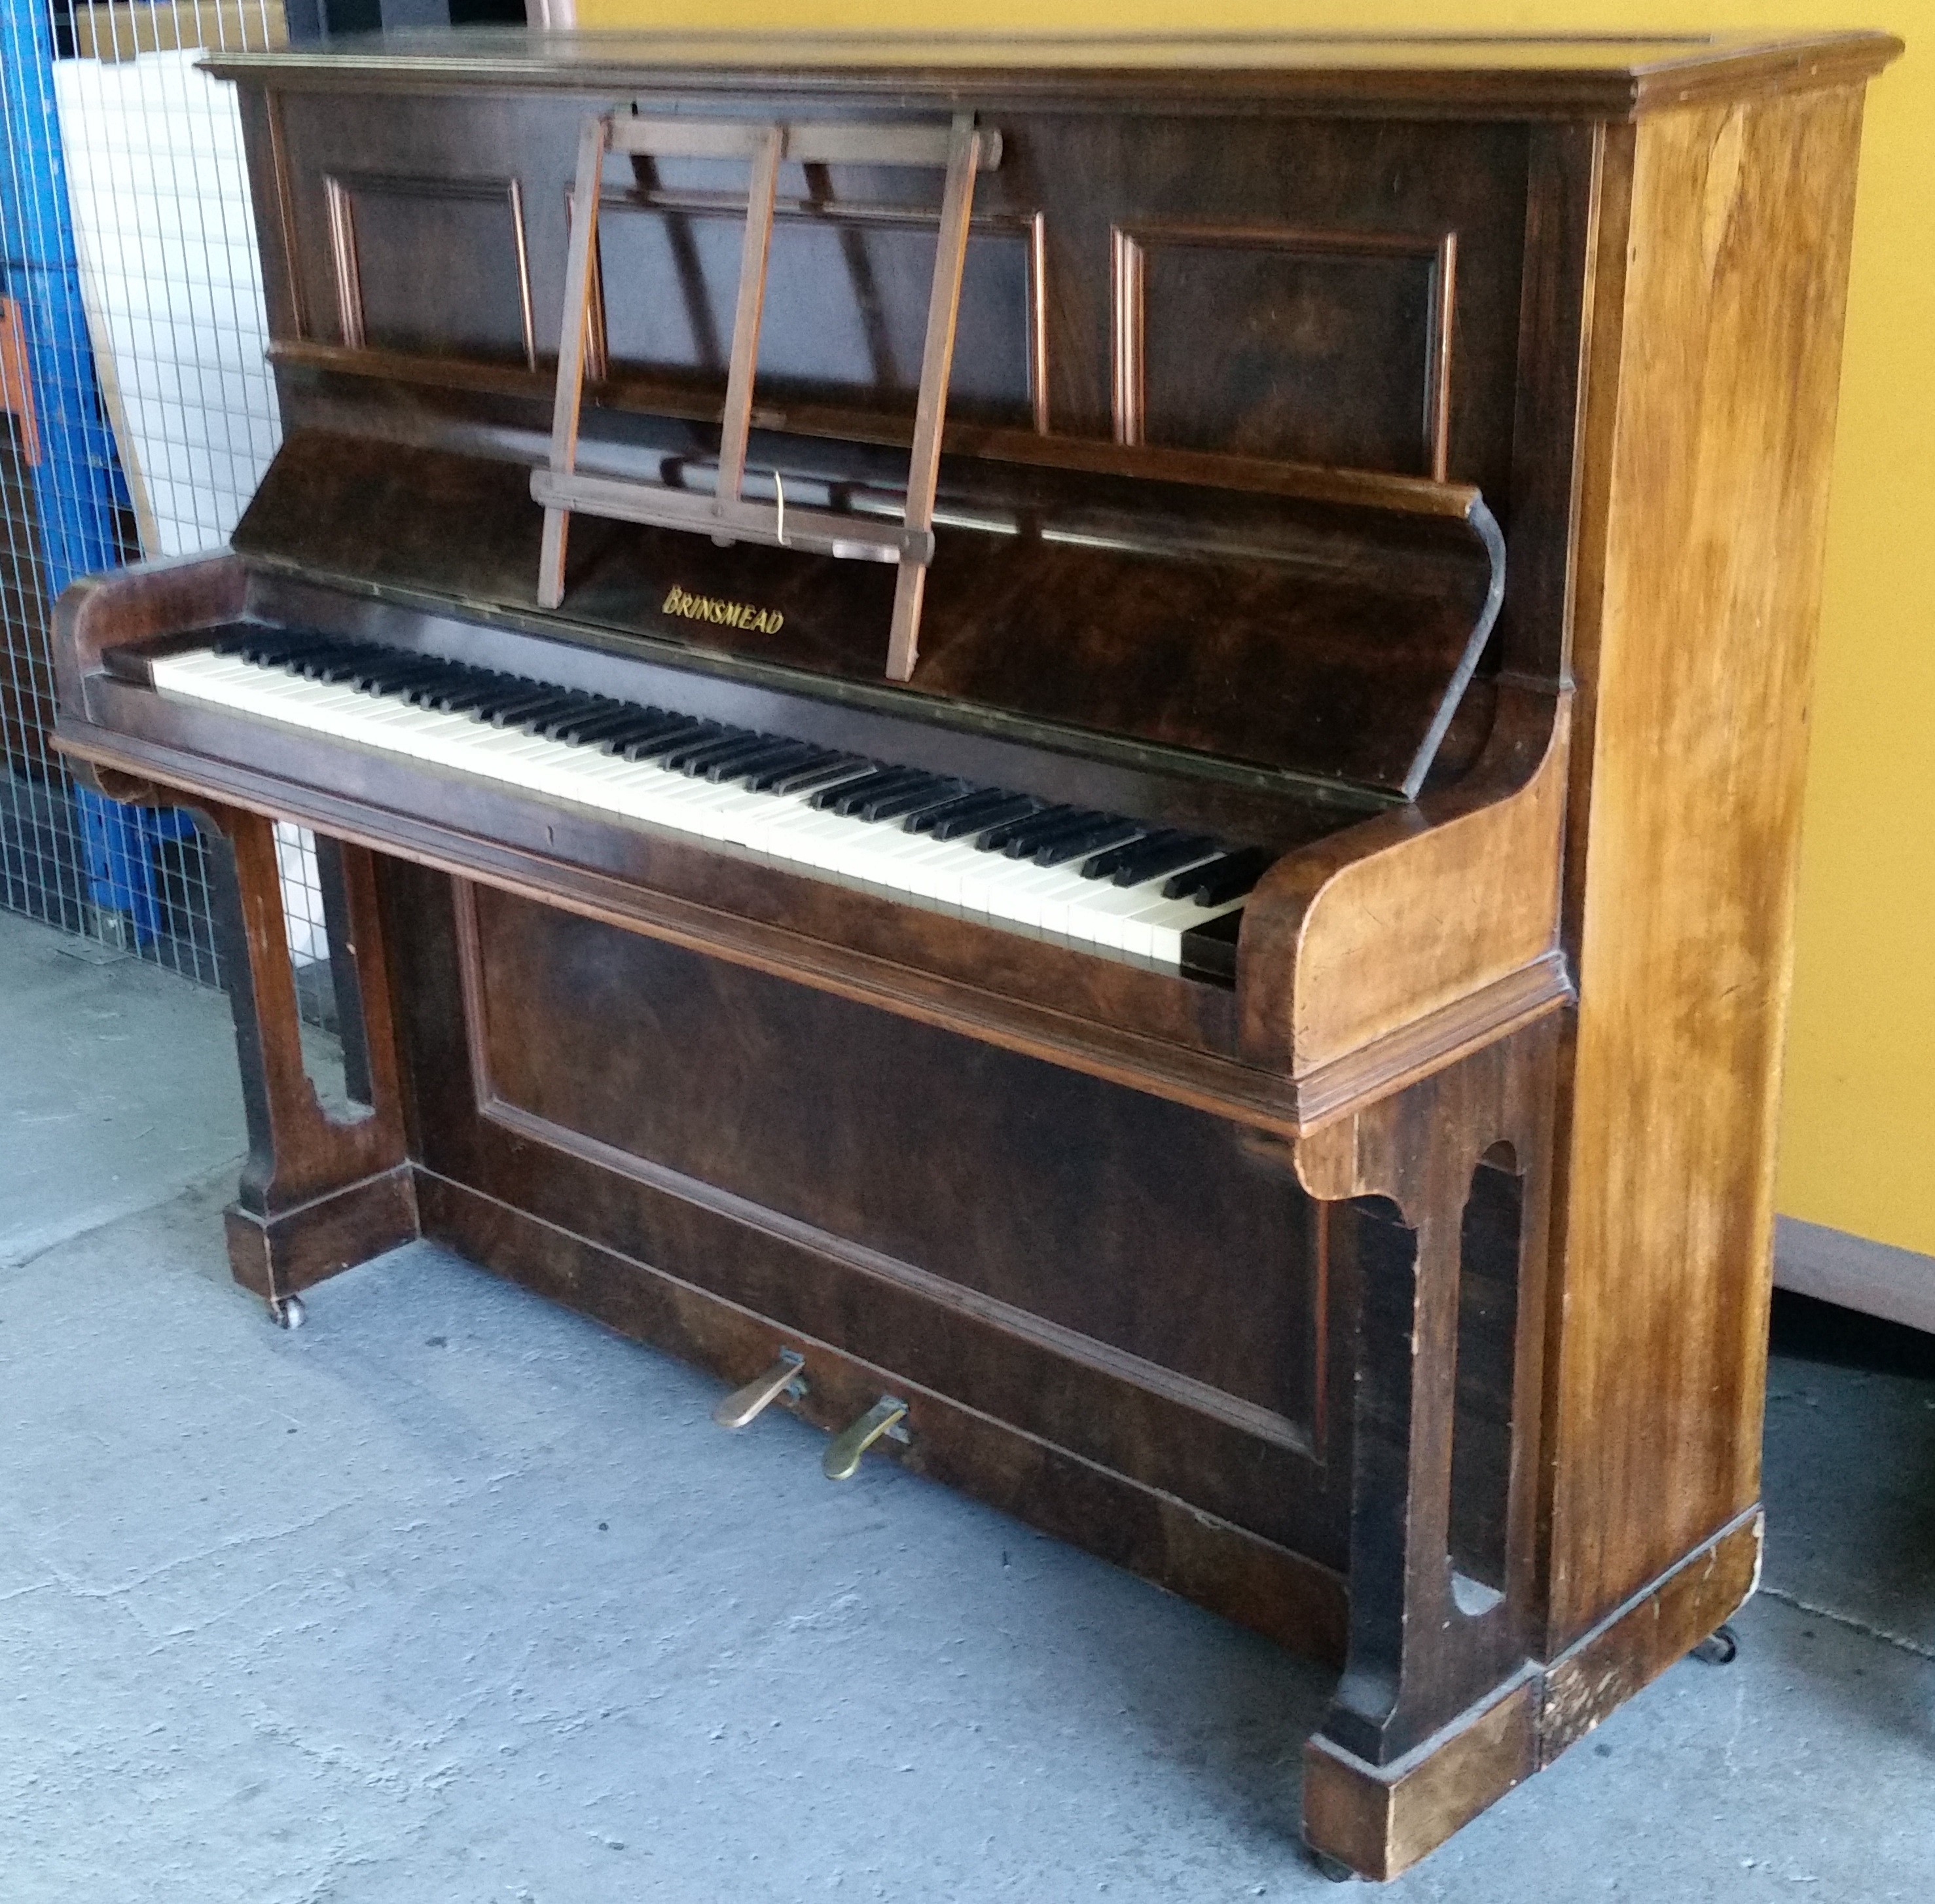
x=1368 y=931
x=1713 y=402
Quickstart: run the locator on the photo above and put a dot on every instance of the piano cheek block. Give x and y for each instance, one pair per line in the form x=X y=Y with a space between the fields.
x=1267 y=1307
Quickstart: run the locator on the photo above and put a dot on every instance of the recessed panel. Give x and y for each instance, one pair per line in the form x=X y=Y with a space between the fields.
x=1133 y=1225
x=1316 y=350
x=846 y=303
x=432 y=266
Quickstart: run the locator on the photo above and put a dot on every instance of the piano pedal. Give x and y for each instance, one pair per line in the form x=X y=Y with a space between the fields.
x=745 y=1406
x=843 y=1452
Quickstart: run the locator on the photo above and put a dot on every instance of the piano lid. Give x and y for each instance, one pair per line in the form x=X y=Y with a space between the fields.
x=1468 y=74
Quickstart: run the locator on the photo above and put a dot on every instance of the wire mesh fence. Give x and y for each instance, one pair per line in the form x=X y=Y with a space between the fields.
x=137 y=416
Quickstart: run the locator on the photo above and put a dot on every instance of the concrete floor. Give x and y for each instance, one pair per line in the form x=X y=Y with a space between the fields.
x=453 y=1596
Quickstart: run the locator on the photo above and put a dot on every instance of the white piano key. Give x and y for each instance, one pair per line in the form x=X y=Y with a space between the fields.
x=785 y=830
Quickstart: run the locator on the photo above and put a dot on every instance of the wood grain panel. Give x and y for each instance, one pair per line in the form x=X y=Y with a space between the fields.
x=961 y=1171
x=1331 y=347
x=1381 y=925
x=847 y=298
x=435 y=265
x=1694 y=644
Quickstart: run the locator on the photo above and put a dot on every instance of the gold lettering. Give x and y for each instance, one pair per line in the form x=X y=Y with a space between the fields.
x=730 y=615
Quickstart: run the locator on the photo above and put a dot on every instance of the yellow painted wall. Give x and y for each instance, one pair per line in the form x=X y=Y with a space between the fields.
x=1858 y=1148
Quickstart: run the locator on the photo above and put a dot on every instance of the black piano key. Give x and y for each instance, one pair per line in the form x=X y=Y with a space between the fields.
x=1151 y=858
x=906 y=800
x=827 y=773
x=773 y=751
x=360 y=671
x=347 y=670
x=1019 y=836
x=397 y=672
x=968 y=822
x=467 y=696
x=655 y=745
x=240 y=636
x=268 y=647
x=579 y=707
x=710 y=734
x=512 y=711
x=505 y=691
x=595 y=723
x=735 y=743
x=438 y=692
x=1084 y=840
x=649 y=725
x=853 y=802
x=780 y=776
x=559 y=706
x=1101 y=865
x=877 y=779
x=316 y=663
x=665 y=730
x=967 y=806
x=1229 y=878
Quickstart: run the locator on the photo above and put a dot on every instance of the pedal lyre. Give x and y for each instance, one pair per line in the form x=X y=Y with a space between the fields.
x=843 y=1452
x=745 y=1405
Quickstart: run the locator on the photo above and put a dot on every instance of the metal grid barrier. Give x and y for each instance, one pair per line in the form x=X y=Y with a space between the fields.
x=137 y=414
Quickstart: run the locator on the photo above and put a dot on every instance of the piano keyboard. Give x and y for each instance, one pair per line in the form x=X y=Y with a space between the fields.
x=1130 y=889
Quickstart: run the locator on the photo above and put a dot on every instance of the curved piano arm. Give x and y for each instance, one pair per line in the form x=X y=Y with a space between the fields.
x=1374 y=956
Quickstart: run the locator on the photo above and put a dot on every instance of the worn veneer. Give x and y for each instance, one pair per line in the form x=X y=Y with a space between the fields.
x=1408 y=456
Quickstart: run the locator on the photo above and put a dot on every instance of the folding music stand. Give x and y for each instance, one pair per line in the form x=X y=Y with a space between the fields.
x=963 y=150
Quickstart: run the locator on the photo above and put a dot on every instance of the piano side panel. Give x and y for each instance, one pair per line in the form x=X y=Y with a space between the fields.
x=1119 y=1277
x=1710 y=426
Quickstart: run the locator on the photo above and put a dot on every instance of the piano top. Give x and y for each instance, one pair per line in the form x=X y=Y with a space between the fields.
x=1465 y=75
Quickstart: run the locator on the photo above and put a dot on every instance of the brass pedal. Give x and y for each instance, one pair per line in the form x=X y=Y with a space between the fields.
x=745 y=1405
x=843 y=1451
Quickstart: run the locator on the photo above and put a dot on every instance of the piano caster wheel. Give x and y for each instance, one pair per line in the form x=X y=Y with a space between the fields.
x=1335 y=1868
x=287 y=1312
x=1721 y=1647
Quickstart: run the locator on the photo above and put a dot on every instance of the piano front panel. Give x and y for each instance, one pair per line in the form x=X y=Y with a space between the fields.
x=850 y=286
x=381 y=227
x=1338 y=290
x=1122 y=1277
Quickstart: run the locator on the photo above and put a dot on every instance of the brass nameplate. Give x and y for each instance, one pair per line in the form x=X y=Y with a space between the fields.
x=726 y=614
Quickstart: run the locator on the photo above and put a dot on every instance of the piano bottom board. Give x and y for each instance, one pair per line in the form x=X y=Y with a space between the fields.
x=1109 y=1314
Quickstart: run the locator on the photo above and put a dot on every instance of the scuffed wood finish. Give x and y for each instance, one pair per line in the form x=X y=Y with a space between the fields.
x=1696 y=622
x=1405 y=1299
x=1380 y=1820
x=1351 y=940
x=1423 y=1647
x=319 y=1192
x=155 y=598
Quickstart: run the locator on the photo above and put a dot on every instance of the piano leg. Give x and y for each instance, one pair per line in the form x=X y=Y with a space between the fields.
x=320 y=1191
x=1436 y=1714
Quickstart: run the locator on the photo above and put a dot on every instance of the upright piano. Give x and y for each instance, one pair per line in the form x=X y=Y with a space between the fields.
x=1082 y=755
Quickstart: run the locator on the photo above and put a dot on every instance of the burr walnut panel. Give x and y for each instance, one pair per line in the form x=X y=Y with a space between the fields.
x=1017 y=1188
x=1328 y=347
